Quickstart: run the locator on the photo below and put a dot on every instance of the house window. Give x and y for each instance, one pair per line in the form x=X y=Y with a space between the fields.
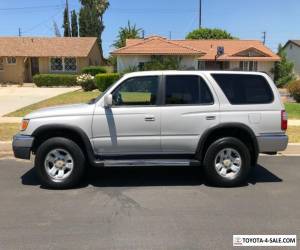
x=1 y=64
x=56 y=64
x=70 y=64
x=63 y=64
x=141 y=66
x=11 y=60
x=248 y=66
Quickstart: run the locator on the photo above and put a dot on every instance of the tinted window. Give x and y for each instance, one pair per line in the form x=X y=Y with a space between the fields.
x=245 y=89
x=187 y=90
x=137 y=91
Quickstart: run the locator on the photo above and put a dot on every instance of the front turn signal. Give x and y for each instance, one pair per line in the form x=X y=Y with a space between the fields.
x=24 y=124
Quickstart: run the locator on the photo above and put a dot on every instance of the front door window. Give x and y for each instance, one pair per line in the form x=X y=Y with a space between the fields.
x=137 y=91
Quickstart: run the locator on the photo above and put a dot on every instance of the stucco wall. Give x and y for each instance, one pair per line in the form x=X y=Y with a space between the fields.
x=13 y=73
x=124 y=62
x=94 y=57
x=44 y=64
x=293 y=55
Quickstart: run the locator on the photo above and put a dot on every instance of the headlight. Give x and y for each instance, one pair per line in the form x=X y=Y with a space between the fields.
x=24 y=124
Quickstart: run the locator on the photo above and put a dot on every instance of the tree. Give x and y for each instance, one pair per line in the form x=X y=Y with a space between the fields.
x=74 y=24
x=91 y=20
x=283 y=70
x=56 y=29
x=128 y=32
x=205 y=33
x=66 y=24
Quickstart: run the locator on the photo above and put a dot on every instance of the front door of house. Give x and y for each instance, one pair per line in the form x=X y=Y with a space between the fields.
x=34 y=66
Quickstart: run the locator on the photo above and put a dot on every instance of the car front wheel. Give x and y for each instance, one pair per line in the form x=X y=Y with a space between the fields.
x=60 y=163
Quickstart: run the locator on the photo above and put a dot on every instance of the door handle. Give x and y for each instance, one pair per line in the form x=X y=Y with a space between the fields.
x=149 y=118
x=210 y=118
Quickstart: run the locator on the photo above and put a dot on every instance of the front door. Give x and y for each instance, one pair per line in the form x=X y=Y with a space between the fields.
x=34 y=66
x=190 y=108
x=132 y=124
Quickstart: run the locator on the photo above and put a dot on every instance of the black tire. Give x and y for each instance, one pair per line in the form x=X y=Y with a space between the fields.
x=209 y=162
x=78 y=161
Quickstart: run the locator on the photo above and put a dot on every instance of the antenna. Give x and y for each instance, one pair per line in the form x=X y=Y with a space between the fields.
x=264 y=36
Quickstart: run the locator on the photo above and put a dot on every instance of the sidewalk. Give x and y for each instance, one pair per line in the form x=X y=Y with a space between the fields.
x=293 y=149
x=13 y=98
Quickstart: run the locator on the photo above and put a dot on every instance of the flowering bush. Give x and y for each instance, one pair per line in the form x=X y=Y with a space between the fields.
x=87 y=82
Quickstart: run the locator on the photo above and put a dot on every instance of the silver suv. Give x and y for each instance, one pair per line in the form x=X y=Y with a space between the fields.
x=218 y=120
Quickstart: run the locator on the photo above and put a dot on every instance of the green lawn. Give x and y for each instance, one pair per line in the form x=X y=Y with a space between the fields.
x=293 y=110
x=68 y=98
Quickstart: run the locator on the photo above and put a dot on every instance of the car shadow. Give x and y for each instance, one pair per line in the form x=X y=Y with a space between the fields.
x=150 y=176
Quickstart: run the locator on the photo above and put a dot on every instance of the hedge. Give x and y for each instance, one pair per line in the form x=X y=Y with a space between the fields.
x=93 y=70
x=50 y=80
x=294 y=89
x=103 y=81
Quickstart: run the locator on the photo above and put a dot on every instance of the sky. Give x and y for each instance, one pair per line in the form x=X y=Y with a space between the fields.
x=245 y=19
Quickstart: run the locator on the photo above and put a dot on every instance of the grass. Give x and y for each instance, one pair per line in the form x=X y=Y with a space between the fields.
x=293 y=110
x=68 y=98
x=8 y=130
x=294 y=133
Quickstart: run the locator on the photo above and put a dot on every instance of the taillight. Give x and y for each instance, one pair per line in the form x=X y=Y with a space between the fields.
x=284 y=120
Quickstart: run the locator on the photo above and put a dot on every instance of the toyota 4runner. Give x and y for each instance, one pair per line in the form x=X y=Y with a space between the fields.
x=218 y=120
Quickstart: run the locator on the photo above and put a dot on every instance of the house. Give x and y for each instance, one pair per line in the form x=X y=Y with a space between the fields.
x=292 y=50
x=247 y=55
x=23 y=57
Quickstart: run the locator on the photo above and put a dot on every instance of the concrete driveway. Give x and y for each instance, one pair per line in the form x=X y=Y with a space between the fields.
x=146 y=208
x=13 y=98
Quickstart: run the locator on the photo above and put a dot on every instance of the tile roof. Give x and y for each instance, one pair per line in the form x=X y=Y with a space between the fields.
x=205 y=49
x=45 y=47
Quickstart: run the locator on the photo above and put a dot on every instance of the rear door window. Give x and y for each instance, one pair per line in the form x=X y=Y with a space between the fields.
x=187 y=90
x=245 y=89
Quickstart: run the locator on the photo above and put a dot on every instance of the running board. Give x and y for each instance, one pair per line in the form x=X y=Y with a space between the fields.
x=148 y=163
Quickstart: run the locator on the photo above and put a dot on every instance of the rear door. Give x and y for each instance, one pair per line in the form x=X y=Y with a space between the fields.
x=190 y=107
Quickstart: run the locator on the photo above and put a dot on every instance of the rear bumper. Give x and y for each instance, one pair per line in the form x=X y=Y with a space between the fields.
x=272 y=142
x=22 y=145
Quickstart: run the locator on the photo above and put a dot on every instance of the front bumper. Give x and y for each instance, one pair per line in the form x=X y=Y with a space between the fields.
x=22 y=145
x=272 y=142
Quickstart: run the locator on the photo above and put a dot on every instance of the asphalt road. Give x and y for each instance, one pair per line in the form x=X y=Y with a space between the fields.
x=146 y=208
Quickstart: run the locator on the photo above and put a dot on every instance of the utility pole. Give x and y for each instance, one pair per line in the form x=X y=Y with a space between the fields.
x=20 y=32
x=200 y=14
x=264 y=37
x=170 y=35
x=143 y=34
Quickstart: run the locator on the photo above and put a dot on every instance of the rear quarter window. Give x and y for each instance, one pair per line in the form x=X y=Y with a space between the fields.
x=245 y=89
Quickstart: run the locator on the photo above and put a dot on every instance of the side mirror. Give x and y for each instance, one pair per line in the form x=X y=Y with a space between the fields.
x=108 y=101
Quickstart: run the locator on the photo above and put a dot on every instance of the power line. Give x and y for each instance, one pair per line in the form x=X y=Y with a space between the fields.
x=31 y=7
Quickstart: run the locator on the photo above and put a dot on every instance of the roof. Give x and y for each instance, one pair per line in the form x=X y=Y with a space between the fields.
x=205 y=49
x=46 y=47
x=296 y=42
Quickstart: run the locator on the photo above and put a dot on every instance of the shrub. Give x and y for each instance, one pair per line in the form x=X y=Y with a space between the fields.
x=103 y=81
x=87 y=82
x=51 y=80
x=294 y=89
x=93 y=70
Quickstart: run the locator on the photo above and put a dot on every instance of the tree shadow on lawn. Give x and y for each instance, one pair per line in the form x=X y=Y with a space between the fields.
x=150 y=176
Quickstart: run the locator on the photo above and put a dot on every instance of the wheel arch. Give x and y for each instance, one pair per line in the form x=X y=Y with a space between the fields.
x=237 y=130
x=73 y=133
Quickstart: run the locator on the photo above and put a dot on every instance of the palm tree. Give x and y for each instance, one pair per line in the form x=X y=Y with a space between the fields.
x=129 y=32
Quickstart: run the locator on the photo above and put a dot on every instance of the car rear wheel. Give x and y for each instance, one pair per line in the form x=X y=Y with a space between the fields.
x=60 y=163
x=227 y=162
